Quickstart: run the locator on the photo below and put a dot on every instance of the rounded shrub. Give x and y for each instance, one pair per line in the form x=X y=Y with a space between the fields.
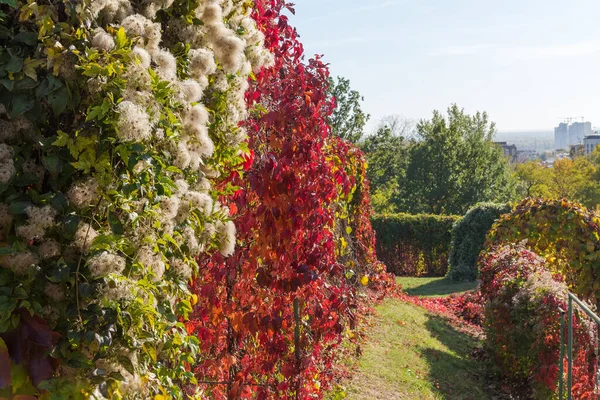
x=468 y=237
x=565 y=233
x=523 y=303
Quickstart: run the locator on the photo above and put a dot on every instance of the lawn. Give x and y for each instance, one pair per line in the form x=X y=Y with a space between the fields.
x=433 y=287
x=412 y=354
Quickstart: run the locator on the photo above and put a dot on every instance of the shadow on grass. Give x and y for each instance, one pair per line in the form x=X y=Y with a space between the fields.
x=438 y=287
x=454 y=373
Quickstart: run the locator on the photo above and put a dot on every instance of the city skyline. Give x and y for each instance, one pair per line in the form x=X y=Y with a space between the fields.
x=528 y=64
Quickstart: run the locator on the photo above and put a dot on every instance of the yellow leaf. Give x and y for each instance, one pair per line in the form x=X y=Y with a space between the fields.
x=364 y=280
x=194 y=300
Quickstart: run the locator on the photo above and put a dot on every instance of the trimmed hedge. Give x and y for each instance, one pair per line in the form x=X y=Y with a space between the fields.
x=416 y=245
x=468 y=237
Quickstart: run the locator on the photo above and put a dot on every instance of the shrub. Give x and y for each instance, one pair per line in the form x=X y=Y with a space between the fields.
x=414 y=245
x=522 y=322
x=115 y=119
x=565 y=233
x=468 y=237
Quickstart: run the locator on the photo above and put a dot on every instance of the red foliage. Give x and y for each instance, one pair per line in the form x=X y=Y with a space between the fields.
x=270 y=317
x=464 y=311
x=523 y=328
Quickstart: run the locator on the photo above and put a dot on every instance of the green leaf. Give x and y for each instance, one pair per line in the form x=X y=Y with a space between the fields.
x=11 y=3
x=121 y=39
x=8 y=84
x=59 y=100
x=21 y=103
x=115 y=223
x=29 y=38
x=53 y=165
x=25 y=84
x=18 y=207
x=15 y=64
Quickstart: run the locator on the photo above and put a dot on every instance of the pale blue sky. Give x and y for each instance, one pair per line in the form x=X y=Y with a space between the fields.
x=529 y=63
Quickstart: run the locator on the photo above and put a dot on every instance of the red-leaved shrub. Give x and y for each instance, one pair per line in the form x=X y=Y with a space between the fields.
x=522 y=322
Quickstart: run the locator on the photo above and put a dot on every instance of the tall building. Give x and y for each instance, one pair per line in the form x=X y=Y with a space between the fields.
x=590 y=143
x=578 y=131
x=561 y=136
x=566 y=135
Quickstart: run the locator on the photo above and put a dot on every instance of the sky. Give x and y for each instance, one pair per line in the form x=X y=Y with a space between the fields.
x=528 y=63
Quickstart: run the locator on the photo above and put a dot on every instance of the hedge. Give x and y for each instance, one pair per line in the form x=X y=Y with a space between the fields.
x=522 y=323
x=416 y=245
x=468 y=237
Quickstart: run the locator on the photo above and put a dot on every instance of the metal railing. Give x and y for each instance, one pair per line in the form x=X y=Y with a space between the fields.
x=569 y=319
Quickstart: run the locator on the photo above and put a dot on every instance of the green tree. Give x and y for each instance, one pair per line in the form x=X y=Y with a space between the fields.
x=387 y=156
x=453 y=165
x=534 y=179
x=348 y=119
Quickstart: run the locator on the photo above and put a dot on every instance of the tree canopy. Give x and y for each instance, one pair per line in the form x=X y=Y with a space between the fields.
x=348 y=119
x=451 y=165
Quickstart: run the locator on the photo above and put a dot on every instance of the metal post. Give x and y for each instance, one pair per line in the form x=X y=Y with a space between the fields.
x=570 y=351
x=561 y=364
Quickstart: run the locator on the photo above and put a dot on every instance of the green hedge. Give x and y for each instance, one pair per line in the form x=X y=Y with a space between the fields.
x=414 y=245
x=468 y=237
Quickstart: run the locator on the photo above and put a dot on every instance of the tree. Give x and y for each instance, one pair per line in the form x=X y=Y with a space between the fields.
x=348 y=119
x=534 y=179
x=398 y=125
x=574 y=179
x=453 y=165
x=387 y=155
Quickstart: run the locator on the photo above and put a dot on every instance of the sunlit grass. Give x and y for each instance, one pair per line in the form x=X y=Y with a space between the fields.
x=412 y=354
x=432 y=287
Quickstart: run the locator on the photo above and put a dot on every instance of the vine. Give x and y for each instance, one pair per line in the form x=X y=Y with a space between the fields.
x=117 y=118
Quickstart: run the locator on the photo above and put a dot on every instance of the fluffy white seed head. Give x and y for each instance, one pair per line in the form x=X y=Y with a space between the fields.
x=106 y=263
x=133 y=123
x=103 y=41
x=226 y=234
x=83 y=194
x=84 y=237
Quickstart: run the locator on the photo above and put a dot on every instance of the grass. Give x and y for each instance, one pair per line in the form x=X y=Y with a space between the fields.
x=412 y=354
x=433 y=287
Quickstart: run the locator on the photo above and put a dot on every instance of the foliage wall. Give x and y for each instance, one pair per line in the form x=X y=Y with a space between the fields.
x=414 y=245
x=116 y=118
x=125 y=158
x=563 y=232
x=468 y=237
x=522 y=323
x=270 y=317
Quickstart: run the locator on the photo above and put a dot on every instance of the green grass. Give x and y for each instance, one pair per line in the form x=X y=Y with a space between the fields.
x=433 y=287
x=412 y=354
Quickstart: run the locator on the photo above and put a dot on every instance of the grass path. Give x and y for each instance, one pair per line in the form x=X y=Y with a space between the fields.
x=412 y=354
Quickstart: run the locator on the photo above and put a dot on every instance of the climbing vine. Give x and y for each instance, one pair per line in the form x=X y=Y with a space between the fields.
x=117 y=119
x=270 y=317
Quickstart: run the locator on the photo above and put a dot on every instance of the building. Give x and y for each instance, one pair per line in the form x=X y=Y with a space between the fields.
x=561 y=136
x=578 y=131
x=509 y=150
x=526 y=155
x=590 y=142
